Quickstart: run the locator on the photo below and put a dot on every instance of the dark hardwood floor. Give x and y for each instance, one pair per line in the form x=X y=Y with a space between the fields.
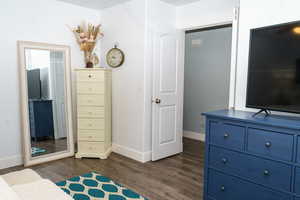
x=51 y=146
x=174 y=178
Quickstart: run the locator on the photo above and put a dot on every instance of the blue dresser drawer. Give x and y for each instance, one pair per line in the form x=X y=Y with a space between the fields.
x=223 y=187
x=298 y=150
x=227 y=135
x=272 y=144
x=297 y=198
x=259 y=170
x=297 y=181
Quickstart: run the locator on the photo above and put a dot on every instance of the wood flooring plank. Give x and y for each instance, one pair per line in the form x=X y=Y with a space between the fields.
x=178 y=177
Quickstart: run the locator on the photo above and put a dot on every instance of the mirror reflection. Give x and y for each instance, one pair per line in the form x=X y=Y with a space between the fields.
x=46 y=101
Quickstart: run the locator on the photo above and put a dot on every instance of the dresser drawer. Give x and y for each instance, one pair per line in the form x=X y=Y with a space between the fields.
x=223 y=187
x=91 y=135
x=90 y=100
x=297 y=181
x=268 y=143
x=91 y=76
x=90 y=88
x=91 y=124
x=266 y=172
x=91 y=147
x=298 y=149
x=227 y=135
x=90 y=112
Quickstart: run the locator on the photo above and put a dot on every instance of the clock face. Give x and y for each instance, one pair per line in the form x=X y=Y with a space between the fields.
x=115 y=57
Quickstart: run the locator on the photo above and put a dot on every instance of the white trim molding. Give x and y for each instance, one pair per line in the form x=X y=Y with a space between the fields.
x=132 y=153
x=194 y=135
x=11 y=161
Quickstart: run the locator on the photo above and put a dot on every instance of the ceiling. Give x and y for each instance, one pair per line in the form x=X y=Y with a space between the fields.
x=95 y=4
x=179 y=2
x=101 y=4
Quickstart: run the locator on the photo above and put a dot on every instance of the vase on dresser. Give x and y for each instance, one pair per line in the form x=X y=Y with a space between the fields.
x=93 y=112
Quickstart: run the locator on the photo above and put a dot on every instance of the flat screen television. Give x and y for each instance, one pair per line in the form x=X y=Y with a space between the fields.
x=274 y=68
x=34 y=84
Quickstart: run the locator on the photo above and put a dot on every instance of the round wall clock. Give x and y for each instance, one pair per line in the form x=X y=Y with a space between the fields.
x=115 y=57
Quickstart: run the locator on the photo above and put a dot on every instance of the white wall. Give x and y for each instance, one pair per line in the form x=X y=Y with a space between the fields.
x=205 y=12
x=256 y=14
x=125 y=24
x=31 y=20
x=132 y=25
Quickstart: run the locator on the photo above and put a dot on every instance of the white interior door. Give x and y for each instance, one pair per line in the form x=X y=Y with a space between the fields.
x=167 y=95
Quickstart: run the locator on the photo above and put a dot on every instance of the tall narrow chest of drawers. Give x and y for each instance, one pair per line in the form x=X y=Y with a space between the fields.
x=251 y=158
x=93 y=112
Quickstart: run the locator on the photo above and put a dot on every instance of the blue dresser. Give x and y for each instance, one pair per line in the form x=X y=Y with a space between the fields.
x=251 y=158
x=41 y=119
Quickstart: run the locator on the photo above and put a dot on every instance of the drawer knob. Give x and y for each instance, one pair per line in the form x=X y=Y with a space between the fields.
x=268 y=144
x=266 y=172
x=226 y=135
x=90 y=76
x=223 y=188
x=224 y=160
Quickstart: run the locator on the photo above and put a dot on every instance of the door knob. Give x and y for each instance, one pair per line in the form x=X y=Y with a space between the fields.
x=157 y=101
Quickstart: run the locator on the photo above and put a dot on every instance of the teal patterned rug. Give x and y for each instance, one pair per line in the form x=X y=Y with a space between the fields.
x=93 y=186
x=37 y=150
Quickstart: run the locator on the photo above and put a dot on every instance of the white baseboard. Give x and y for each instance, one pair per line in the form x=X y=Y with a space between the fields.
x=10 y=161
x=194 y=135
x=132 y=153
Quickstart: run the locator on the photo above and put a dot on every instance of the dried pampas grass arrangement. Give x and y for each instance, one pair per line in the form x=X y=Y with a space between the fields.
x=87 y=37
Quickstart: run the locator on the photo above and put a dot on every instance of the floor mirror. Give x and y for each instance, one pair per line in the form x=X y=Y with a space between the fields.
x=45 y=102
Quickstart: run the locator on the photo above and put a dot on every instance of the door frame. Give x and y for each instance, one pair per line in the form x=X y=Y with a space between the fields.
x=233 y=66
x=232 y=82
x=234 y=51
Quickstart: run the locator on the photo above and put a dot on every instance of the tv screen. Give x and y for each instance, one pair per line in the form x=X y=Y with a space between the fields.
x=274 y=68
x=34 y=84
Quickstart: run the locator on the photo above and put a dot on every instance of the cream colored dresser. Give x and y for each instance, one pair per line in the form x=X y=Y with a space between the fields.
x=94 y=113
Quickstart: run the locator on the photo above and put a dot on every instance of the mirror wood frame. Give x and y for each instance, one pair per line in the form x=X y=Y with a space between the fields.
x=27 y=157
